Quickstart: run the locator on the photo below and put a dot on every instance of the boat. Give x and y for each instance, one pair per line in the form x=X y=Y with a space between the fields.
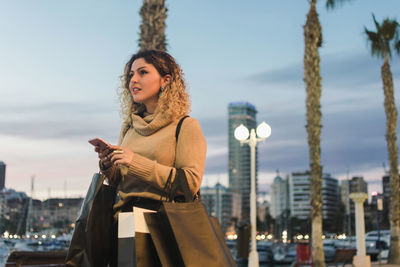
x=264 y=250
x=4 y=252
x=284 y=253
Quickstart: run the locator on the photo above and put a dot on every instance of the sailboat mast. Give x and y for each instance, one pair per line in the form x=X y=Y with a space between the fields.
x=28 y=228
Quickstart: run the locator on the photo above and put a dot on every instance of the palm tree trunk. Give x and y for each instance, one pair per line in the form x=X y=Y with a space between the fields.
x=152 y=29
x=391 y=139
x=312 y=78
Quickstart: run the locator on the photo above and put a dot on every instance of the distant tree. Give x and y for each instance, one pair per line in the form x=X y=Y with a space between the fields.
x=382 y=41
x=152 y=29
x=312 y=79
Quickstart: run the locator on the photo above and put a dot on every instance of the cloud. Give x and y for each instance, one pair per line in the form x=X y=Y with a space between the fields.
x=349 y=138
x=60 y=120
x=338 y=70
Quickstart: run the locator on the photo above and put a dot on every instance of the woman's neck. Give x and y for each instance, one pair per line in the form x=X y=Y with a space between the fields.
x=151 y=108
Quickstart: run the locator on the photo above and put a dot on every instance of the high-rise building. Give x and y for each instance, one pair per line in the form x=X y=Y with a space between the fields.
x=355 y=185
x=279 y=196
x=330 y=196
x=220 y=202
x=345 y=195
x=2 y=175
x=239 y=155
x=386 y=200
x=299 y=195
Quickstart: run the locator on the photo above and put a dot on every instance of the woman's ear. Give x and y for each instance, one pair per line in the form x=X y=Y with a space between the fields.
x=166 y=80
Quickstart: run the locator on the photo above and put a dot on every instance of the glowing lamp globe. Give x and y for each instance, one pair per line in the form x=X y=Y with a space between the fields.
x=263 y=130
x=241 y=133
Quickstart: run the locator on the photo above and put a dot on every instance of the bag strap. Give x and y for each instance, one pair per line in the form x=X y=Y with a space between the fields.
x=180 y=176
x=178 y=128
x=181 y=181
x=168 y=184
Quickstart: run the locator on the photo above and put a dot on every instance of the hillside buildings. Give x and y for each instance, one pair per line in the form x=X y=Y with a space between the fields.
x=53 y=213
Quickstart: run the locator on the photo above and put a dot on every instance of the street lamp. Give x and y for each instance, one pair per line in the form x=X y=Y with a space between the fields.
x=242 y=134
x=379 y=208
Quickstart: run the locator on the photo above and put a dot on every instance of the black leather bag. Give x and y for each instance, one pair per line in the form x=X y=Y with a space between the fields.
x=92 y=240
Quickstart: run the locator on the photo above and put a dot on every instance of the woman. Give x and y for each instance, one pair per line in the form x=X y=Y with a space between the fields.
x=154 y=100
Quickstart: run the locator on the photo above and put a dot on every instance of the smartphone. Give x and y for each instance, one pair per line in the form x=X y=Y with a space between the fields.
x=103 y=145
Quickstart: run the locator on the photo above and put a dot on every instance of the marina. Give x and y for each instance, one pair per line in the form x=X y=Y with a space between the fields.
x=271 y=253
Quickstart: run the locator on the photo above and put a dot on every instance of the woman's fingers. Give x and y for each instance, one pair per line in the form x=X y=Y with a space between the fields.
x=105 y=153
x=113 y=148
x=121 y=156
x=114 y=157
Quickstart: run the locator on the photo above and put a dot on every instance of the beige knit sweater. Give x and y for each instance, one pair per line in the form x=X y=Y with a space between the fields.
x=156 y=154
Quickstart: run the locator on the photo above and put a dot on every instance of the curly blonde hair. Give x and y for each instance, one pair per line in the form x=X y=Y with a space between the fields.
x=174 y=101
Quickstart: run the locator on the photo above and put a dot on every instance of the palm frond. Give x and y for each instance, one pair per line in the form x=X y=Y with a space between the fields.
x=376 y=43
x=389 y=29
x=332 y=4
x=377 y=26
x=386 y=33
x=397 y=47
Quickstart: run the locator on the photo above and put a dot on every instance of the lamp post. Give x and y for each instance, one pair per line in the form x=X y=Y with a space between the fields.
x=242 y=134
x=379 y=208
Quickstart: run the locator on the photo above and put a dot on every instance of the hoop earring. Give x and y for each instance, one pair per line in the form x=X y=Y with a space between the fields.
x=160 y=94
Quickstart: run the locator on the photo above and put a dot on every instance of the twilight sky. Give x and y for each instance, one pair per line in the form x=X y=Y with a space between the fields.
x=60 y=63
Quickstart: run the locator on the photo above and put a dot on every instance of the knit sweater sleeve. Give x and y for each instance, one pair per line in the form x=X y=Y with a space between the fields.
x=190 y=156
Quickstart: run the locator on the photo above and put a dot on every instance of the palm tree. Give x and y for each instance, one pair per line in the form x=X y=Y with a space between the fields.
x=152 y=29
x=382 y=42
x=312 y=79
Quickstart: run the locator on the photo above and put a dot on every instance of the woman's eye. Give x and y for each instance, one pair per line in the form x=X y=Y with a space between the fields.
x=143 y=72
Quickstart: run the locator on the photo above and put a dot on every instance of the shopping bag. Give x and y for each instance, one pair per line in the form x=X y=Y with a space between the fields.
x=91 y=243
x=164 y=241
x=184 y=234
x=135 y=246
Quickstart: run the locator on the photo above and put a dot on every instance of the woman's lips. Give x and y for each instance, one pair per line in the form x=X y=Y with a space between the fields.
x=135 y=90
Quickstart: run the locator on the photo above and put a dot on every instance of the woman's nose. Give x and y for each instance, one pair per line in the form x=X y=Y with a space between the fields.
x=133 y=79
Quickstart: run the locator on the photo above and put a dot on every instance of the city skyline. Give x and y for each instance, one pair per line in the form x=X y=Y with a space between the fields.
x=61 y=63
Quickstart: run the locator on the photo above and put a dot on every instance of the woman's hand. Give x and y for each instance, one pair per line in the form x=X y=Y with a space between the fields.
x=104 y=156
x=121 y=155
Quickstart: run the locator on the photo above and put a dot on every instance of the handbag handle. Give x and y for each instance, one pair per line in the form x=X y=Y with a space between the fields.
x=178 y=127
x=180 y=177
x=182 y=183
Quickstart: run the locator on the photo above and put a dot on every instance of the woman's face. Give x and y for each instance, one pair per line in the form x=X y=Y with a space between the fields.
x=145 y=84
